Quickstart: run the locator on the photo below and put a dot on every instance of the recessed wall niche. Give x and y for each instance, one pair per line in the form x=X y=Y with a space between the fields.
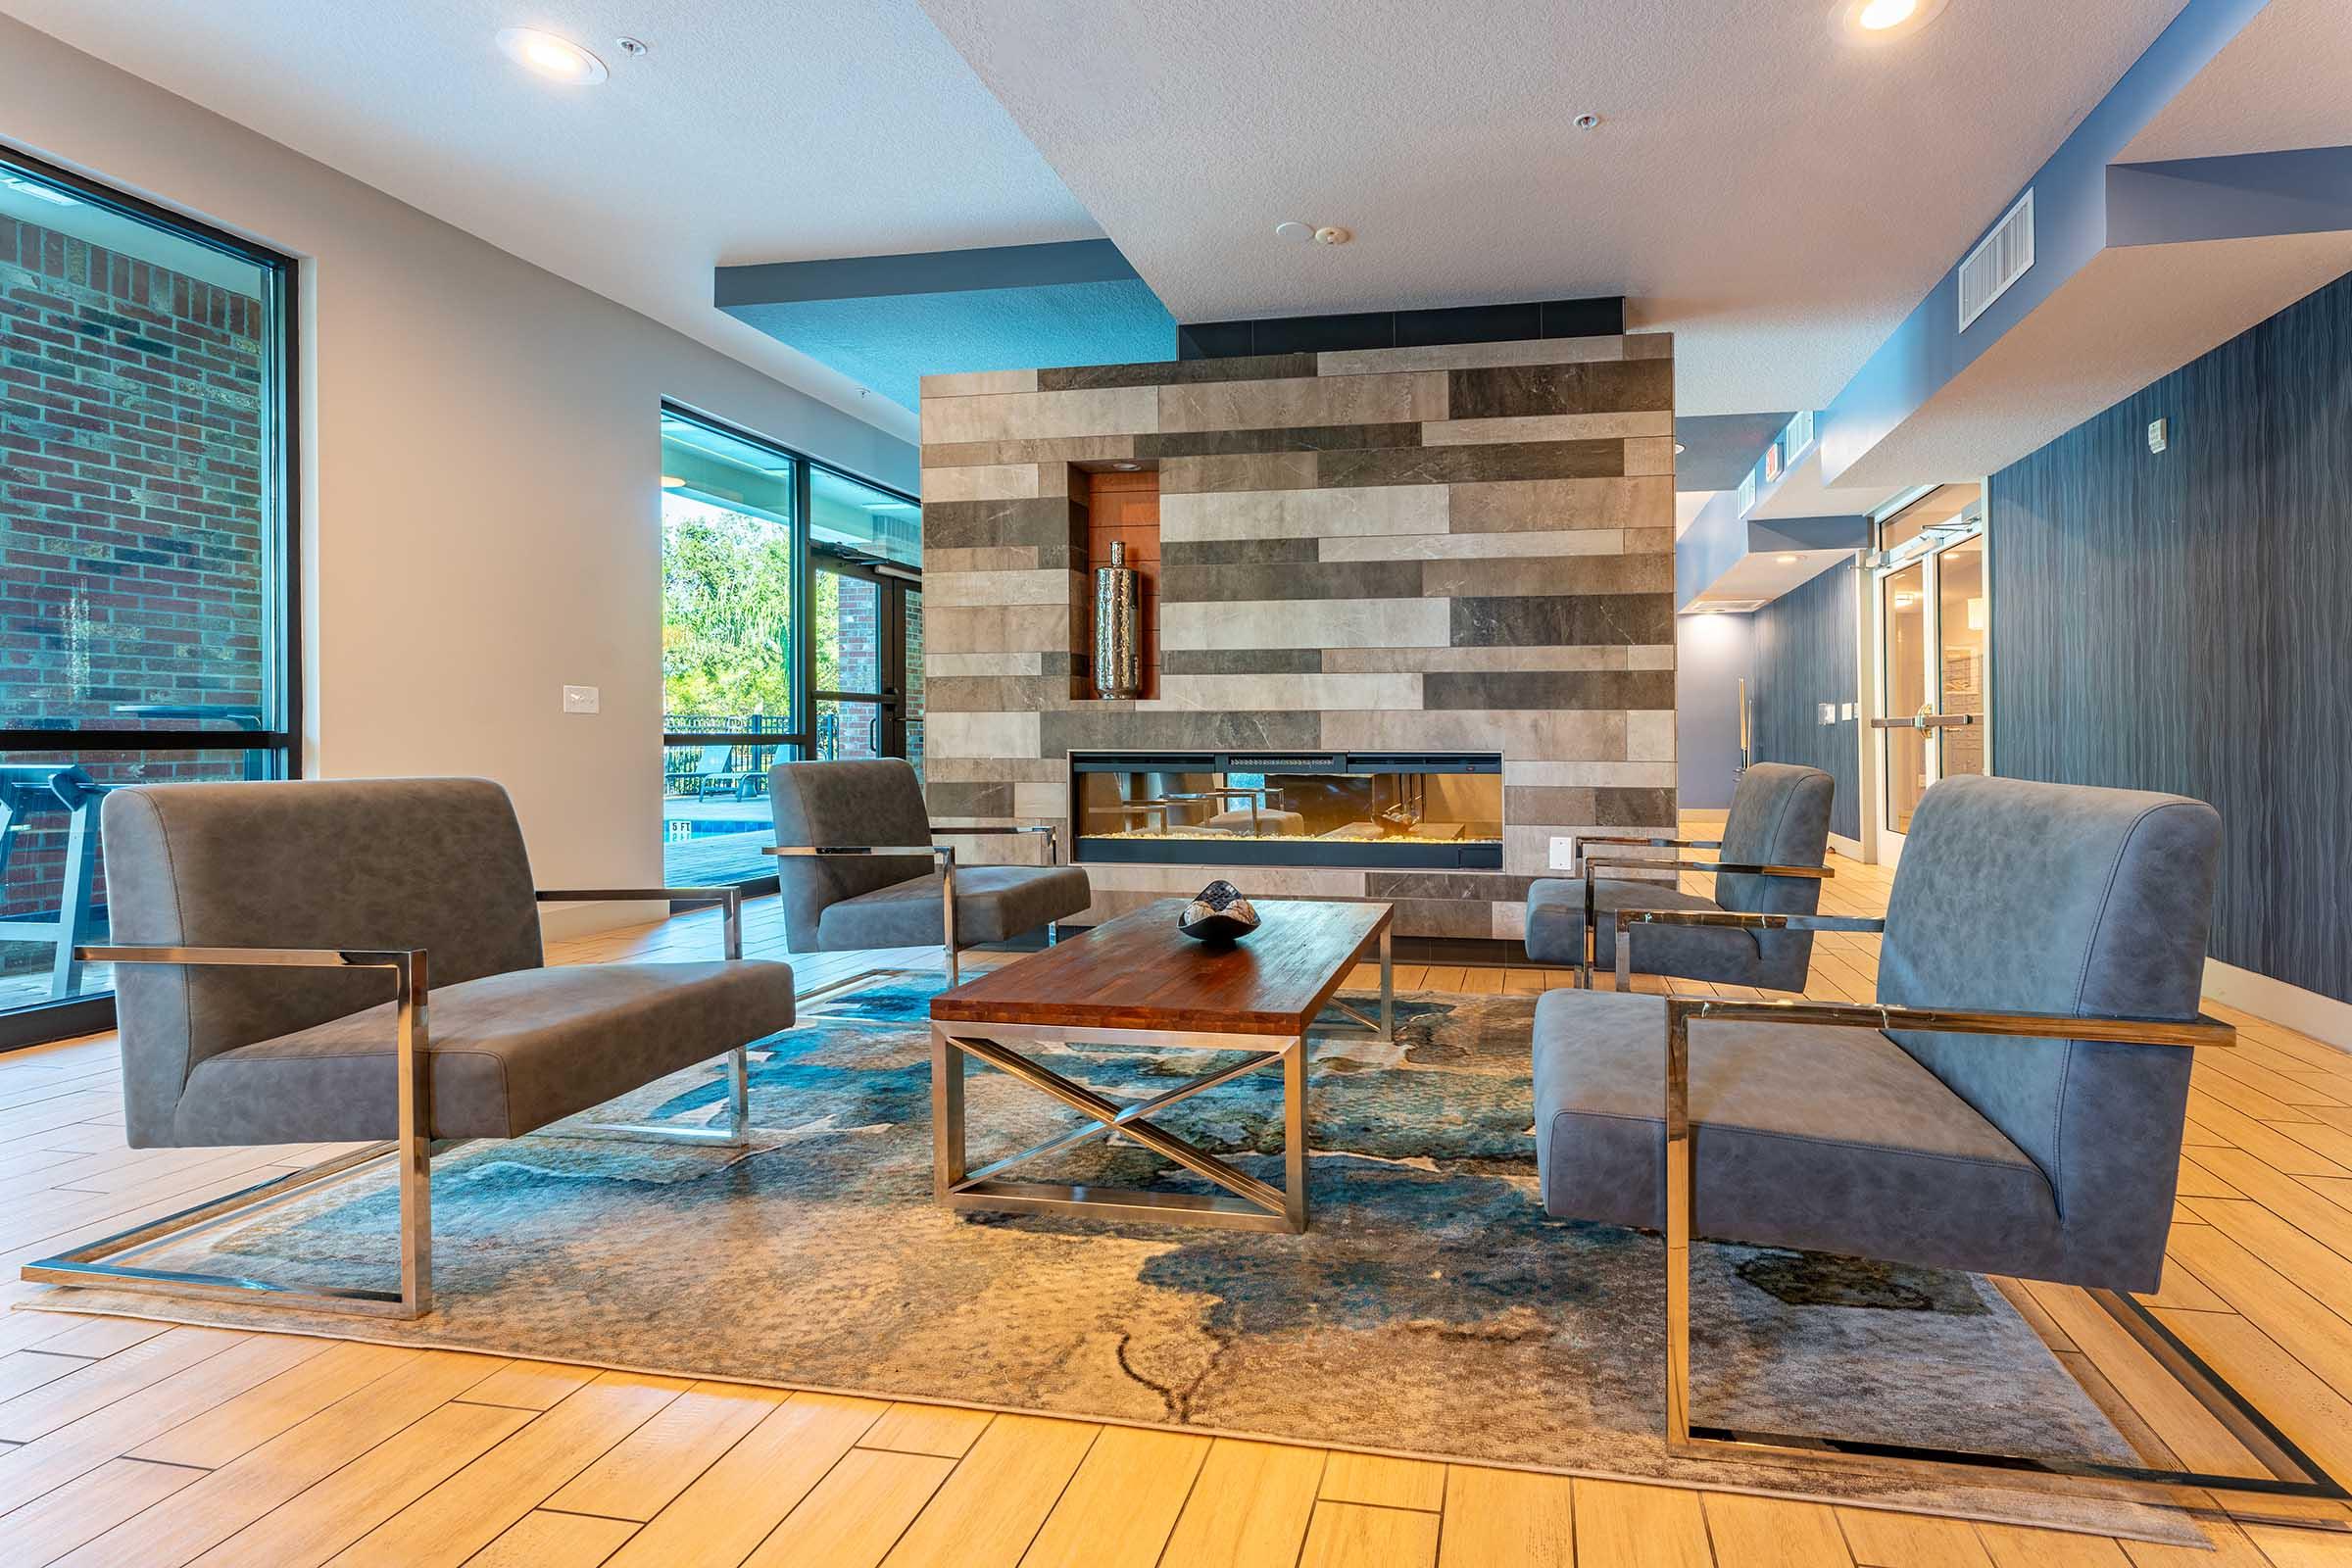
x=1108 y=506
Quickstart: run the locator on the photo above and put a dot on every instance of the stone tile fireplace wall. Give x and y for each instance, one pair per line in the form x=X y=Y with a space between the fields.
x=1454 y=548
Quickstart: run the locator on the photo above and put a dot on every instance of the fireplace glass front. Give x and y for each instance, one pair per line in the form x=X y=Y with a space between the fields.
x=1371 y=809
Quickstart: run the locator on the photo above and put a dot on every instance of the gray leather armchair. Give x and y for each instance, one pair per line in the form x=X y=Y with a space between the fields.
x=1774 y=839
x=2013 y=1104
x=329 y=961
x=857 y=867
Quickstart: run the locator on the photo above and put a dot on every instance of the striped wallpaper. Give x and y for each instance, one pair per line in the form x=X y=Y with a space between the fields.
x=2177 y=622
x=1804 y=656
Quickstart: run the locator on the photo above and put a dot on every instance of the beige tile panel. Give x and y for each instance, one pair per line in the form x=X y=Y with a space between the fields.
x=1431 y=661
x=1510 y=921
x=1307 y=623
x=1649 y=736
x=962 y=590
x=1587 y=736
x=1242 y=471
x=1650 y=655
x=949 y=666
x=945 y=770
x=988 y=481
x=1464 y=546
x=1548 y=574
x=964 y=383
x=1041 y=453
x=1518 y=771
x=1303 y=401
x=1535 y=505
x=1041 y=415
x=1650 y=455
x=1471 y=356
x=1047 y=801
x=1648 y=541
x=1285 y=692
x=1547 y=427
x=997 y=629
x=1526 y=847
x=981 y=734
x=1649 y=346
x=986 y=558
x=1370 y=510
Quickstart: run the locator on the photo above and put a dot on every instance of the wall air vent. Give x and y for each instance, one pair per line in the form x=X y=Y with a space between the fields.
x=1999 y=260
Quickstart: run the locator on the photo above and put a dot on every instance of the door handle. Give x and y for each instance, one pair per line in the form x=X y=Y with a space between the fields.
x=1927 y=718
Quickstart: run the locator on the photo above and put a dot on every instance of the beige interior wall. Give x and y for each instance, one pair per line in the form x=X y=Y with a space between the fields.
x=479 y=460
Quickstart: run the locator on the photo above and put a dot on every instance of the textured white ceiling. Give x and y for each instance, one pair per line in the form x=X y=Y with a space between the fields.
x=753 y=133
x=1778 y=200
x=2283 y=82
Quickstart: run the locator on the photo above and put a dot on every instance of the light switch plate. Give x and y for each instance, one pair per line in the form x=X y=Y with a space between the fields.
x=1848 y=712
x=582 y=700
x=1563 y=852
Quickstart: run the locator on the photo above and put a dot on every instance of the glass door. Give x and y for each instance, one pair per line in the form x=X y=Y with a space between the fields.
x=862 y=689
x=1930 y=714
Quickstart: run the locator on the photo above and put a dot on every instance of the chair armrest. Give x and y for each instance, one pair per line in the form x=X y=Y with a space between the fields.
x=1817 y=873
x=393 y=958
x=1052 y=835
x=1655 y=844
x=942 y=852
x=731 y=897
x=2168 y=1032
x=1751 y=922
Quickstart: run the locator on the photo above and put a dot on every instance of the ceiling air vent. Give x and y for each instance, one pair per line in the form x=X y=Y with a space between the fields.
x=1999 y=260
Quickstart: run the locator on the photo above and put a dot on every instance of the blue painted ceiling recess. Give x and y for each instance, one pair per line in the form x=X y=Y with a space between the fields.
x=887 y=322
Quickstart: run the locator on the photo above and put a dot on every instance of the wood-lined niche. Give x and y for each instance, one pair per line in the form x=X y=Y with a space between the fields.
x=1124 y=506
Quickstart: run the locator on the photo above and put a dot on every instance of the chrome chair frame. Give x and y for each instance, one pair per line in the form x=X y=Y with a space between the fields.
x=99 y=1262
x=2294 y=1474
x=945 y=855
x=1819 y=874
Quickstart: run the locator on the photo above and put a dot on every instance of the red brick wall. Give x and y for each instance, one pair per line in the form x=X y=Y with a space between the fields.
x=131 y=569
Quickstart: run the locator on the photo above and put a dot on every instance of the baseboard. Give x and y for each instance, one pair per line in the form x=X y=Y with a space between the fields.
x=2304 y=1011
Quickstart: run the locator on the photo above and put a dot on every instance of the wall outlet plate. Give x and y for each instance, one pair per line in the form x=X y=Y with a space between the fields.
x=582 y=700
x=1563 y=852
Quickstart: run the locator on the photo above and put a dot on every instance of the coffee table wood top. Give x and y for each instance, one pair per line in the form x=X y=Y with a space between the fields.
x=1140 y=972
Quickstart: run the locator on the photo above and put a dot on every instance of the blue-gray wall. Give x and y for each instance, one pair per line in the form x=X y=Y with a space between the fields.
x=1711 y=655
x=2177 y=622
x=1804 y=656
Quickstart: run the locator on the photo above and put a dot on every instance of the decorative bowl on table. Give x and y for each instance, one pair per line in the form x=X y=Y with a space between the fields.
x=1218 y=915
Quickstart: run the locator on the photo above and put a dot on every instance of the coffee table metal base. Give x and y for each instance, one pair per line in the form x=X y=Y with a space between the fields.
x=1245 y=1204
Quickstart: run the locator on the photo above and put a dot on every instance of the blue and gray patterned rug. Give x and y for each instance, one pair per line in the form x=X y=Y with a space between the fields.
x=1433 y=1308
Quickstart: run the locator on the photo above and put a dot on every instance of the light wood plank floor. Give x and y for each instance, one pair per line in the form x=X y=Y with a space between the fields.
x=135 y=1444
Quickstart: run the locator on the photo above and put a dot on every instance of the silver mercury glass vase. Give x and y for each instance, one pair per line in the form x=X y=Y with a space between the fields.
x=1118 y=638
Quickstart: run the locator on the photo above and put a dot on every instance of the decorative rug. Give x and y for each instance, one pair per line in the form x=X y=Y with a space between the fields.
x=1433 y=1308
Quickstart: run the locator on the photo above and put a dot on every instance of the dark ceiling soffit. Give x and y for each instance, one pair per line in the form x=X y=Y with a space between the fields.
x=1768 y=534
x=858 y=277
x=1719 y=448
x=1402 y=330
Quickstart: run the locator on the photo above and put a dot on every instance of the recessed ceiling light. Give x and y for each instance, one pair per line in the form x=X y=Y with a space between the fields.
x=1586 y=122
x=557 y=59
x=1785 y=560
x=1294 y=230
x=1128 y=467
x=671 y=481
x=1880 y=21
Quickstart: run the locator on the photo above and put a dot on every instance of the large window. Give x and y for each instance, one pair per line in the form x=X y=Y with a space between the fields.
x=783 y=631
x=146 y=590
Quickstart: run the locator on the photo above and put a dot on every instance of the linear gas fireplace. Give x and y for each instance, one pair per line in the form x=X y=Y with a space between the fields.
x=1368 y=809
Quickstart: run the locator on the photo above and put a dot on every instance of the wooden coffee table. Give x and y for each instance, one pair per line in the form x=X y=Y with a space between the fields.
x=1137 y=981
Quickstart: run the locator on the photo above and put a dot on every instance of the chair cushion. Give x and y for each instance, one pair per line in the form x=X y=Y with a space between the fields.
x=1831 y=1140
x=1556 y=931
x=993 y=904
x=510 y=1052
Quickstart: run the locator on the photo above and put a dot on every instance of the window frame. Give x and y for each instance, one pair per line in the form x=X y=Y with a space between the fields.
x=38 y=1022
